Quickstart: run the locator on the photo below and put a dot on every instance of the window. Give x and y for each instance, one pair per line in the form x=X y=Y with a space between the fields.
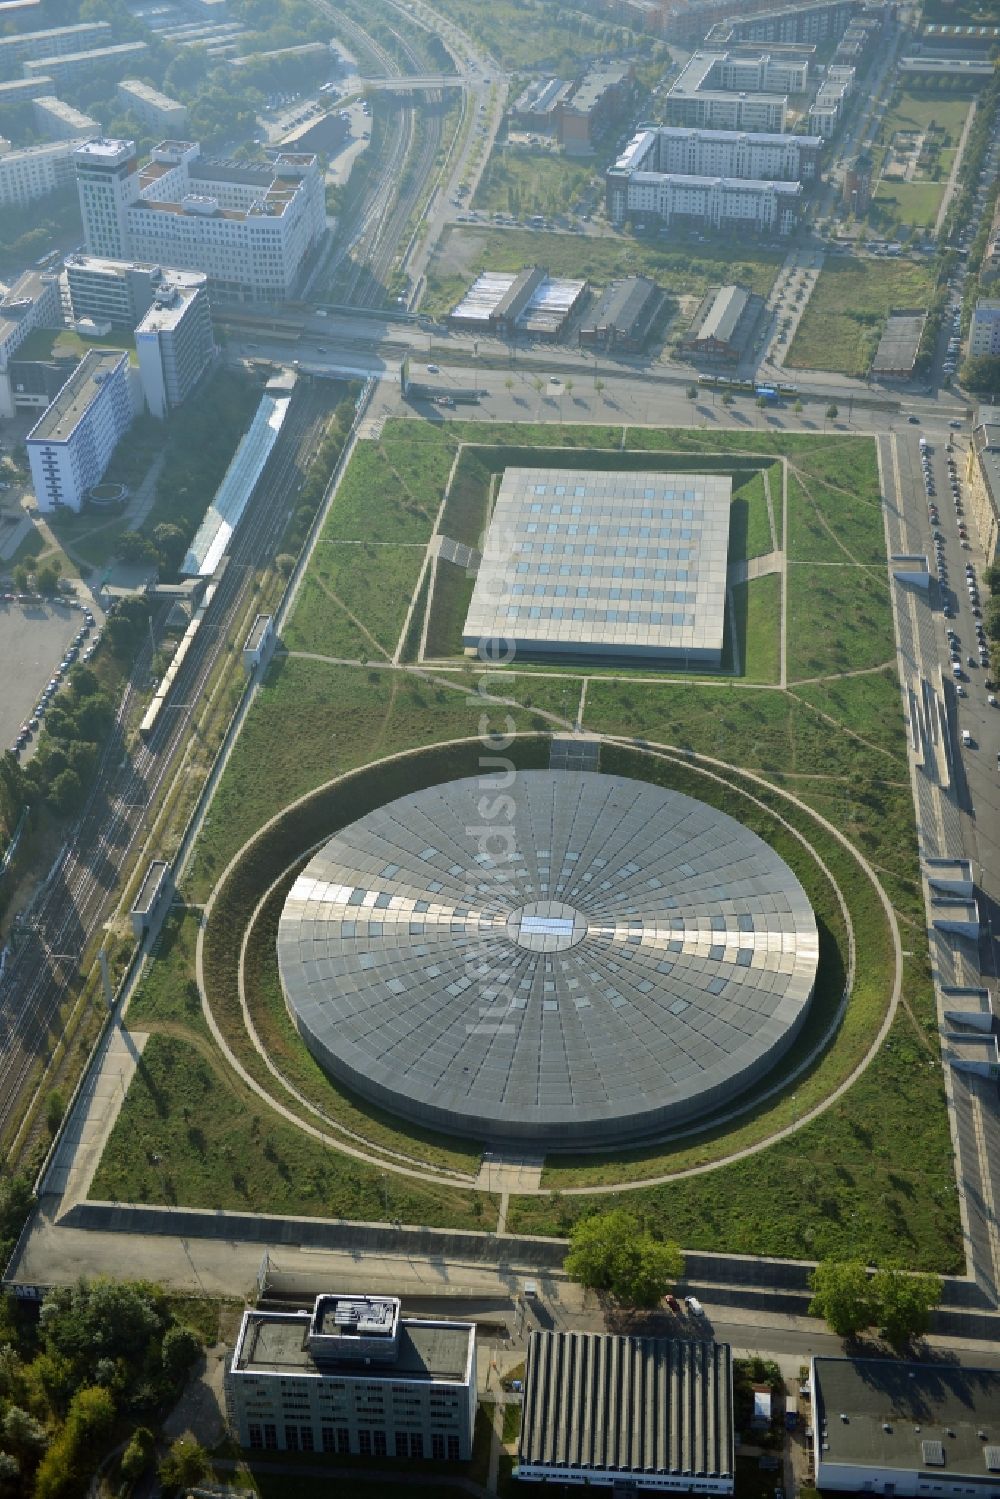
x=308 y=1440
x=292 y=1438
x=365 y=1443
x=381 y=1448
x=343 y=1440
x=329 y=1437
x=453 y=1449
x=416 y=1445
x=437 y=1445
x=270 y=1436
x=256 y=1436
x=402 y=1445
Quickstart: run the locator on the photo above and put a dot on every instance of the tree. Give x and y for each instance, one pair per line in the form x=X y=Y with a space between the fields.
x=613 y=1252
x=691 y=392
x=74 y=1451
x=134 y=548
x=904 y=1303
x=47 y=578
x=727 y=398
x=842 y=1296
x=120 y=635
x=993 y=619
x=22 y=1433
x=832 y=412
x=138 y=1454
x=55 y=1108
x=20 y=578
x=184 y=1465
x=761 y=402
x=181 y=1346
x=171 y=543
x=66 y=792
x=100 y=1319
x=797 y=408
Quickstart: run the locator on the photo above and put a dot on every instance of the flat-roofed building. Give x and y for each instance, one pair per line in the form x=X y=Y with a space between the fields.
x=61 y=121
x=899 y=345
x=249 y=228
x=724 y=324
x=110 y=291
x=735 y=91
x=70 y=446
x=730 y=203
x=32 y=302
x=69 y=66
x=24 y=45
x=788 y=23
x=623 y=316
x=597 y=102
x=354 y=1377
x=983 y=478
x=634 y=564
x=628 y=1412
x=19 y=90
x=35 y=171
x=884 y=1427
x=537 y=106
x=173 y=342
x=691 y=151
x=155 y=109
x=984 y=328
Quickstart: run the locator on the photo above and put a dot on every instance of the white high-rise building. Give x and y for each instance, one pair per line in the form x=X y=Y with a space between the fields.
x=70 y=446
x=174 y=341
x=248 y=228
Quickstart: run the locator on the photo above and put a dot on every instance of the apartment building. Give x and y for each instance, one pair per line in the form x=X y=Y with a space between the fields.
x=32 y=302
x=687 y=151
x=249 y=228
x=60 y=121
x=34 y=171
x=174 y=341
x=354 y=1377
x=70 y=446
x=721 y=91
x=69 y=66
x=984 y=328
x=788 y=23
x=25 y=45
x=155 y=109
x=770 y=208
x=983 y=478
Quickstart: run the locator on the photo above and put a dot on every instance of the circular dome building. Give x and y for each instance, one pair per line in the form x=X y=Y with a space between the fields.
x=602 y=960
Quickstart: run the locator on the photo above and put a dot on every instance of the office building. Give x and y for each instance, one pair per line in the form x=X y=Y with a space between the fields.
x=731 y=203
x=884 y=1427
x=32 y=302
x=174 y=341
x=162 y=114
x=57 y=40
x=984 y=328
x=355 y=1378
x=983 y=478
x=249 y=228
x=70 y=66
x=724 y=325
x=110 y=291
x=684 y=151
x=35 y=171
x=70 y=447
x=654 y=1414
x=59 y=121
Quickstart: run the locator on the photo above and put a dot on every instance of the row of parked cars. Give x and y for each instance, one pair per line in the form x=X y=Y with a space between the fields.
x=81 y=648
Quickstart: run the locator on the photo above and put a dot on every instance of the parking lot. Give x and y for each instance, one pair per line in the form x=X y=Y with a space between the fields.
x=34 y=638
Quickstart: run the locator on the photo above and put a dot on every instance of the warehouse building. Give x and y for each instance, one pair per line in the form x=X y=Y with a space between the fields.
x=530 y=302
x=629 y=1412
x=59 y=121
x=354 y=1377
x=623 y=317
x=723 y=327
x=157 y=110
x=908 y=1429
x=70 y=447
x=899 y=345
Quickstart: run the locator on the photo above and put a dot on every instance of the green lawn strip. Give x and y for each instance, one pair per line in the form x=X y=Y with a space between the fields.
x=522 y=181
x=311 y=722
x=830 y=524
x=375 y=503
x=923 y=111
x=511 y=1422
x=357 y=589
x=219 y=1147
x=452 y=596
x=878 y=818
x=168 y=990
x=295 y=1062
x=843 y=320
x=869 y=706
x=758 y=609
x=765 y=731
x=749 y=524
x=839 y=619
x=914 y=203
x=597 y=259
x=466 y=513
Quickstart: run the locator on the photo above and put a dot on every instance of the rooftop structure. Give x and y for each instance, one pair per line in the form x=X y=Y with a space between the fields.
x=906 y=1428
x=634 y=564
x=525 y=301
x=211 y=541
x=656 y=1413
x=354 y=1376
x=900 y=342
x=639 y=960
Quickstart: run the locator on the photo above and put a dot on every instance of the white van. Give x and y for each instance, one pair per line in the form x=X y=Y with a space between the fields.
x=966 y=738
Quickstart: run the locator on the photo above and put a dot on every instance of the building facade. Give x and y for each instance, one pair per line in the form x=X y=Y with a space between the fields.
x=739 y=89
x=70 y=447
x=119 y=292
x=770 y=208
x=35 y=171
x=683 y=151
x=60 y=121
x=250 y=229
x=792 y=23
x=32 y=302
x=984 y=329
x=983 y=478
x=157 y=110
x=69 y=66
x=598 y=101
x=353 y=1377
x=174 y=341
x=18 y=49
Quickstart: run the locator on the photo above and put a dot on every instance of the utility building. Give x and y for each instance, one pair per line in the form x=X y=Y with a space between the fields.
x=648 y=1413
x=354 y=1377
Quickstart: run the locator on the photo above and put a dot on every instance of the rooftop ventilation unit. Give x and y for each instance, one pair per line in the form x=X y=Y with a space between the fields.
x=933 y=1454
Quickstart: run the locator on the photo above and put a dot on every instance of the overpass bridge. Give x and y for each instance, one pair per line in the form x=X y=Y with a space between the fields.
x=415 y=81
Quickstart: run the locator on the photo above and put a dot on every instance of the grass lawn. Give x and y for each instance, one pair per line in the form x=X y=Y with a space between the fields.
x=63 y=343
x=921 y=111
x=219 y=1146
x=355 y=599
x=522 y=181
x=598 y=259
x=757 y=606
x=911 y=202
x=839 y=619
x=843 y=321
x=530 y=34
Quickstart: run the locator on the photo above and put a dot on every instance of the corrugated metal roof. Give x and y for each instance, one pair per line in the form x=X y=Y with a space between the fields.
x=628 y=1405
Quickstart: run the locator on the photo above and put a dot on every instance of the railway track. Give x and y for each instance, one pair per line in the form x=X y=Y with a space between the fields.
x=82 y=887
